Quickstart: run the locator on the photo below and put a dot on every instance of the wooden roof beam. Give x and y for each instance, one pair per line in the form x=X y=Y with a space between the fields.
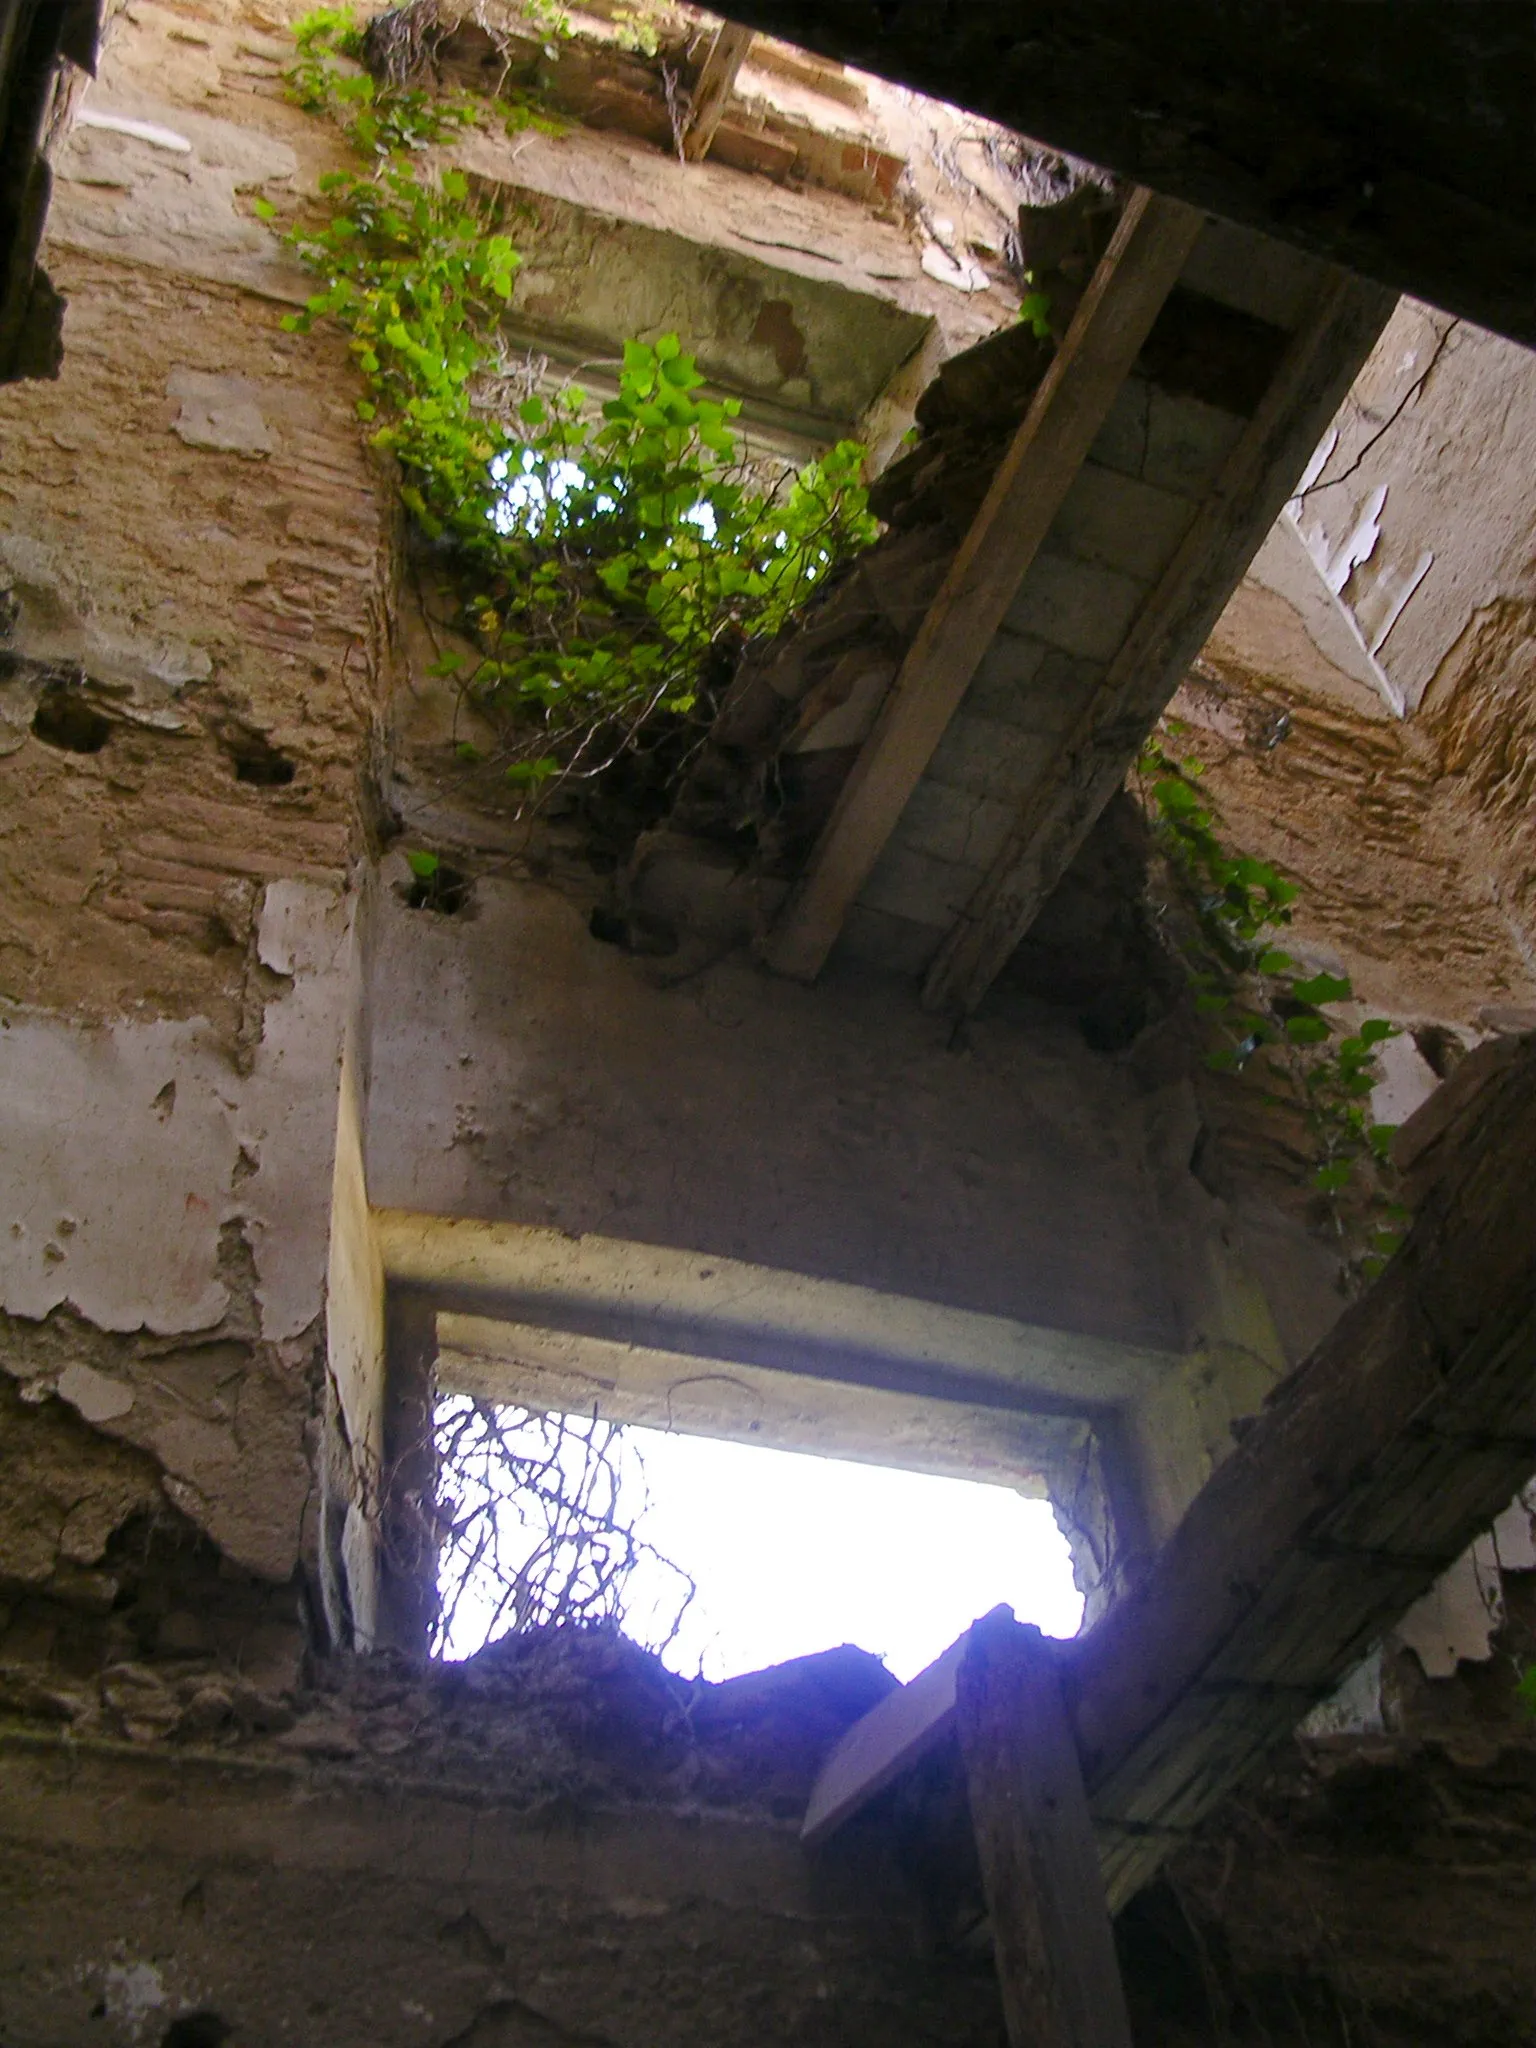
x=713 y=88
x=1173 y=624
x=1149 y=249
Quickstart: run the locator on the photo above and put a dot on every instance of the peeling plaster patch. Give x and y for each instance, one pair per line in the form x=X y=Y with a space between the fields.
x=131 y=1992
x=1459 y=1616
x=92 y=1137
x=81 y=1136
x=58 y=621
x=141 y=131
x=218 y=413
x=171 y=208
x=288 y=1119
x=97 y=1396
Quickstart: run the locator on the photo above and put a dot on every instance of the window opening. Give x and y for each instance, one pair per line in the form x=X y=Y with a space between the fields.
x=724 y=1557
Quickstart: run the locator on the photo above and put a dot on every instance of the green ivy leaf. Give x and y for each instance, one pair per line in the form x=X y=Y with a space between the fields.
x=423 y=865
x=1322 y=988
x=1307 y=1030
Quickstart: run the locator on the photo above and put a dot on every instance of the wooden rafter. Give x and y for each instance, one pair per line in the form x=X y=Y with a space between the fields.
x=1092 y=762
x=713 y=88
x=1149 y=249
x=1369 y=1472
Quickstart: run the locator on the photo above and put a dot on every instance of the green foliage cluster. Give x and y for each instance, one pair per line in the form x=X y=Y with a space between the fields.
x=1261 y=1007
x=379 y=120
x=599 y=552
x=639 y=28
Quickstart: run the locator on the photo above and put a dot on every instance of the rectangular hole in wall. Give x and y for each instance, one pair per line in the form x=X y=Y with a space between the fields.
x=787 y=1442
x=722 y=1556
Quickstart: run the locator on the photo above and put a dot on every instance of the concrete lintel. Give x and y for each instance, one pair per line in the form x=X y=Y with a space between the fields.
x=716 y=1308
x=556 y=1371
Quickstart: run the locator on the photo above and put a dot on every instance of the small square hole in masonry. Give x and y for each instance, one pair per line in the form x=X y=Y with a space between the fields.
x=724 y=1556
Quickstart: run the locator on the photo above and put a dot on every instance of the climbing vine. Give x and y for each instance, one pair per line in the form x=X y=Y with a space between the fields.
x=1264 y=1011
x=597 y=553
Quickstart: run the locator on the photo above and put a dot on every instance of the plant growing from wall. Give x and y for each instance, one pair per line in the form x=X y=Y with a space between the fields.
x=595 y=555
x=1264 y=1011
x=539 y=1523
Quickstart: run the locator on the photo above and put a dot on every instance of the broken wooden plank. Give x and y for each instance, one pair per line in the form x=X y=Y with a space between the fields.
x=713 y=88
x=1139 y=268
x=1052 y=1941
x=905 y=1727
x=1174 y=620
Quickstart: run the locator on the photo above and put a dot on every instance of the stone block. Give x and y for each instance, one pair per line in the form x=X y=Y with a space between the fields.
x=1187 y=442
x=916 y=886
x=1121 y=442
x=986 y=757
x=879 y=938
x=953 y=825
x=1120 y=522
x=1075 y=605
x=1024 y=682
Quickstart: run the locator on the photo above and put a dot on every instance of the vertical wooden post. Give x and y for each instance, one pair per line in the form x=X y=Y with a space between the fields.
x=1055 y=1950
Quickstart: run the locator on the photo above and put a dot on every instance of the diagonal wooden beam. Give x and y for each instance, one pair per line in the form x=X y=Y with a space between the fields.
x=1367 y=1475
x=1093 y=760
x=713 y=88
x=1149 y=249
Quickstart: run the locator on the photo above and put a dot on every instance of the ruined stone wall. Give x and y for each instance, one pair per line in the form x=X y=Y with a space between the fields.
x=195 y=553
x=1374 y=1887
x=205 y=1814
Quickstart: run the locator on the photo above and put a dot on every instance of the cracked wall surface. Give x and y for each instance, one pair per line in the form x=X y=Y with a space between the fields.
x=223 y=1033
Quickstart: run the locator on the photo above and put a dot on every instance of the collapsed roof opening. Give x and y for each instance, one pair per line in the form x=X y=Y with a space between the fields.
x=722 y=1556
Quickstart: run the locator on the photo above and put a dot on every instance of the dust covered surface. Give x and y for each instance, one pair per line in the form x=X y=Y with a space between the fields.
x=1372 y=1889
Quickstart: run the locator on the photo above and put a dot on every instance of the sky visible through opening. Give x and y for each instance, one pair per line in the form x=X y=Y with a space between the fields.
x=793 y=1554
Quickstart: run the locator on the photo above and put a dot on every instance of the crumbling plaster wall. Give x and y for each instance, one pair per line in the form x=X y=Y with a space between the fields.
x=557 y=1843
x=1366 y=702
x=196 y=550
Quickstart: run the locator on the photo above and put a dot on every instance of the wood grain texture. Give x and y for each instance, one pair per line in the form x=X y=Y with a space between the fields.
x=1051 y=1935
x=1092 y=762
x=897 y=1733
x=1149 y=248
x=1369 y=1472
x=1371 y=1469
x=713 y=88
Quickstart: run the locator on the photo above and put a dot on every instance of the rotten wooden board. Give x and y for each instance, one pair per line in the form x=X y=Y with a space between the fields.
x=1052 y=1942
x=1173 y=623
x=897 y=1733
x=1366 y=1476
x=1149 y=249
x=713 y=88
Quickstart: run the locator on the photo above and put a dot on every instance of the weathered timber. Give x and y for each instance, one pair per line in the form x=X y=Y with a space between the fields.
x=713 y=88
x=896 y=1733
x=1051 y=1937
x=1368 y=1473
x=1396 y=141
x=1145 y=256
x=1093 y=758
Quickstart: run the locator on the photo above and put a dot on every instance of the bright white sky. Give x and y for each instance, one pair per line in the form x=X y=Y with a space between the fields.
x=794 y=1554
